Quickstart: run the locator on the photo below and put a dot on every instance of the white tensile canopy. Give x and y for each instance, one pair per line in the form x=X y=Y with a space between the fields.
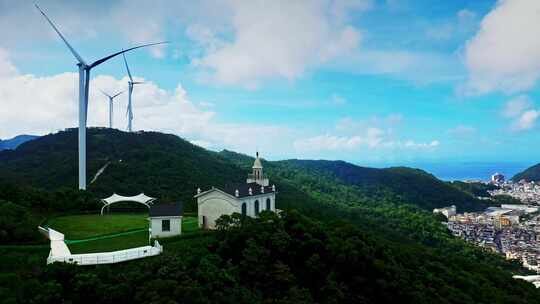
x=115 y=198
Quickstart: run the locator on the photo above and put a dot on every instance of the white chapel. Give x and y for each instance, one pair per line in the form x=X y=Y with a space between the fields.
x=249 y=198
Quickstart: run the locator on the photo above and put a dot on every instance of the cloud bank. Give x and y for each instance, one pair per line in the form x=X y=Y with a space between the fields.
x=504 y=55
x=277 y=39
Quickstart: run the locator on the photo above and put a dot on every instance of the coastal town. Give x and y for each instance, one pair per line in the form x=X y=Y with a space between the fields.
x=526 y=192
x=512 y=230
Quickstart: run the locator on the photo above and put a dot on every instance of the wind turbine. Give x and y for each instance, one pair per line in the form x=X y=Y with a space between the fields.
x=111 y=99
x=84 y=86
x=131 y=84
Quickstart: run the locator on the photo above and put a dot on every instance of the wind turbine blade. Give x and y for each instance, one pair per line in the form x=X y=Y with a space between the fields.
x=79 y=58
x=100 y=61
x=105 y=94
x=118 y=94
x=137 y=82
x=127 y=67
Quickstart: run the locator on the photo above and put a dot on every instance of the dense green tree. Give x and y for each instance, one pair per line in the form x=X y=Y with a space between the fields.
x=359 y=235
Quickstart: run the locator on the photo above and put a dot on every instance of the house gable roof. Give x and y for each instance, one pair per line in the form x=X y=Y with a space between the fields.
x=170 y=209
x=243 y=190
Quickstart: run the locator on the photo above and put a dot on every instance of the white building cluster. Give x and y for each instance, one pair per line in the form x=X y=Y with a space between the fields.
x=497 y=178
x=527 y=192
x=511 y=230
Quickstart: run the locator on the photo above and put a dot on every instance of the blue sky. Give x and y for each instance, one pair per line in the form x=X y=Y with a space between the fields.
x=373 y=82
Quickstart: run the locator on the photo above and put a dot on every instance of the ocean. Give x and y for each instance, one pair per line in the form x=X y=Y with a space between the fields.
x=472 y=170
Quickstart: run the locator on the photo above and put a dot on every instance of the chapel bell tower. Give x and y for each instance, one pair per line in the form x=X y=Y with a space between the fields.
x=257 y=176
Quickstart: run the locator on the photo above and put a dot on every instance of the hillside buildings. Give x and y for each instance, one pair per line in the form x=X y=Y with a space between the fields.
x=527 y=192
x=497 y=178
x=510 y=230
x=249 y=198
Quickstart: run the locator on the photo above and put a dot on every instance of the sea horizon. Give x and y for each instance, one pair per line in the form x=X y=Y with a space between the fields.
x=467 y=170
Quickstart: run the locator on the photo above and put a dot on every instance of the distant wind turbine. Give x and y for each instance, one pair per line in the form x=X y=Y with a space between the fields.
x=111 y=100
x=131 y=84
x=84 y=86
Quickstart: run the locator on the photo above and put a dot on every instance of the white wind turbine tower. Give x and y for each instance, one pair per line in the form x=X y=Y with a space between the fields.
x=111 y=100
x=84 y=86
x=131 y=84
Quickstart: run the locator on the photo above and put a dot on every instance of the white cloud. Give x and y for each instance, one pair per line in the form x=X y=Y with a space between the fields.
x=6 y=67
x=520 y=111
x=527 y=120
x=415 y=145
x=516 y=106
x=373 y=138
x=202 y=143
x=206 y=104
x=465 y=15
x=142 y=22
x=278 y=39
x=137 y=21
x=41 y=105
x=504 y=55
x=353 y=135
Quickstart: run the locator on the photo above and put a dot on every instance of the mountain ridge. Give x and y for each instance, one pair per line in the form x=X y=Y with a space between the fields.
x=167 y=166
x=410 y=184
x=13 y=143
x=531 y=174
x=344 y=216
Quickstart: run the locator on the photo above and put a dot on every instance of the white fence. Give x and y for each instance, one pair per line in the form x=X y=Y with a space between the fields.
x=108 y=257
x=60 y=252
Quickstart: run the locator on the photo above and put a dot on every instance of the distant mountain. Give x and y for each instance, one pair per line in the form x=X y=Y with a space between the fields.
x=171 y=168
x=414 y=186
x=409 y=185
x=14 y=142
x=531 y=174
x=158 y=164
x=366 y=228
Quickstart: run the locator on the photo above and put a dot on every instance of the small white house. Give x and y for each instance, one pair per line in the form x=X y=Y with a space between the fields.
x=165 y=220
x=248 y=199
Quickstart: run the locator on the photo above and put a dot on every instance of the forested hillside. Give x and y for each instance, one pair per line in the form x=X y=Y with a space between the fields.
x=160 y=165
x=288 y=259
x=412 y=186
x=171 y=168
x=531 y=174
x=348 y=235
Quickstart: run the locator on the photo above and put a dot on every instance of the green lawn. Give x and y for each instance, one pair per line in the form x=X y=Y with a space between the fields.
x=76 y=227
x=189 y=224
x=137 y=239
x=131 y=227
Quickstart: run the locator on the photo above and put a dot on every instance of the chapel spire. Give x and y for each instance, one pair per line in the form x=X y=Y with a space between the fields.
x=257 y=175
